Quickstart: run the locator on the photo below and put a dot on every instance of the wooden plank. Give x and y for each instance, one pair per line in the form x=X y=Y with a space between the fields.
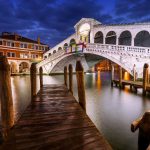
x=55 y=121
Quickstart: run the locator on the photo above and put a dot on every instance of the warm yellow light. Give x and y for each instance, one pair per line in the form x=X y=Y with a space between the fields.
x=84 y=29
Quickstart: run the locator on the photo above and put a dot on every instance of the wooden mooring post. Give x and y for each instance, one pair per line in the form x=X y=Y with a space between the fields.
x=70 y=78
x=41 y=77
x=80 y=84
x=65 y=75
x=112 y=74
x=145 y=77
x=120 y=77
x=143 y=124
x=7 y=111
x=33 y=80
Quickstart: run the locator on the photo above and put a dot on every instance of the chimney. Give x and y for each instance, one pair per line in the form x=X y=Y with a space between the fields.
x=38 y=40
x=16 y=36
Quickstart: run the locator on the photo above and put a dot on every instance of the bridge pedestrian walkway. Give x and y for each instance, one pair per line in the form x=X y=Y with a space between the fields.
x=55 y=121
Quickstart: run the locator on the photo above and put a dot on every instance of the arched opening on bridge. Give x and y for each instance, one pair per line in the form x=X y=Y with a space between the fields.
x=49 y=54
x=54 y=51
x=13 y=67
x=98 y=37
x=111 y=38
x=72 y=45
x=84 y=32
x=142 y=39
x=45 y=57
x=59 y=49
x=24 y=67
x=65 y=48
x=125 y=38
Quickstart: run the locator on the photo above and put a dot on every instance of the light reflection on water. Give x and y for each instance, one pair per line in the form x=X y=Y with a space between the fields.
x=112 y=110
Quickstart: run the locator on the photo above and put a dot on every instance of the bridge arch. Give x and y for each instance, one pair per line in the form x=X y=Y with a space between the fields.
x=111 y=38
x=142 y=39
x=99 y=38
x=125 y=38
x=13 y=67
x=103 y=55
x=23 y=67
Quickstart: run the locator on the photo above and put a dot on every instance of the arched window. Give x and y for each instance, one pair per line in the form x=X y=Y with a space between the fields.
x=65 y=47
x=125 y=38
x=142 y=39
x=49 y=54
x=98 y=37
x=54 y=51
x=59 y=48
x=72 y=45
x=72 y=42
x=111 y=38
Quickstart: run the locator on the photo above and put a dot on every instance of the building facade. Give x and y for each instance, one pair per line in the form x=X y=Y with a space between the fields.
x=21 y=52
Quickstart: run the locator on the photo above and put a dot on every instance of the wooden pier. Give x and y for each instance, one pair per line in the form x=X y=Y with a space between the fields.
x=144 y=85
x=55 y=120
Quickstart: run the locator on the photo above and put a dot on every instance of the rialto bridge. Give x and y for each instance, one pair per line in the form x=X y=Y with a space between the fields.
x=127 y=45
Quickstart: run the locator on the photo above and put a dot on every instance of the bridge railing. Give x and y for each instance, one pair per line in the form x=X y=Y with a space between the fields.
x=121 y=49
x=52 y=57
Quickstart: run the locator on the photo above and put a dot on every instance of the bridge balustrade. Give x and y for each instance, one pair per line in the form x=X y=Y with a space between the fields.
x=126 y=50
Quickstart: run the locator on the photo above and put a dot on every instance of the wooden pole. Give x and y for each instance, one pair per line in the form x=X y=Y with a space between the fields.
x=41 y=77
x=134 y=73
x=65 y=75
x=7 y=111
x=144 y=130
x=33 y=80
x=70 y=78
x=145 y=78
x=80 y=84
x=112 y=74
x=120 y=77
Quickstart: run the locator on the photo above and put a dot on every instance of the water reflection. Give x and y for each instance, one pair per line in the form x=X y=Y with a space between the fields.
x=112 y=110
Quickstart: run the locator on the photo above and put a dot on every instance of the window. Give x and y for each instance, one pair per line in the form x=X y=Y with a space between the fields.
x=36 y=47
x=11 y=44
x=33 y=56
x=11 y=54
x=32 y=46
x=23 y=55
x=1 y=53
x=23 y=45
x=0 y=42
x=37 y=56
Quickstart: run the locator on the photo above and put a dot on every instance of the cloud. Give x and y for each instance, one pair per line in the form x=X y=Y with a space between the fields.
x=133 y=10
x=53 y=20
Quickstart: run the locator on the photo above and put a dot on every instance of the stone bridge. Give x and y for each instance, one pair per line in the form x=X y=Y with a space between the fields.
x=123 y=44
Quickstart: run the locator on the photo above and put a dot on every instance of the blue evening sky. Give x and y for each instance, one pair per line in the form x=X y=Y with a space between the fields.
x=53 y=20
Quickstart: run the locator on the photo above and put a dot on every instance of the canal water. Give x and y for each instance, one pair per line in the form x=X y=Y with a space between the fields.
x=112 y=110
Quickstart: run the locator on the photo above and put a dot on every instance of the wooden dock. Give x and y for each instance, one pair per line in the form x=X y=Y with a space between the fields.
x=55 y=121
x=135 y=84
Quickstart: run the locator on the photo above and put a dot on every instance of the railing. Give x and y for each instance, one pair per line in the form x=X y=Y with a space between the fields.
x=133 y=51
x=121 y=50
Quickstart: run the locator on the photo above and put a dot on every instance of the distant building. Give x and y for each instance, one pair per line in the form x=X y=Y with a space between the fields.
x=21 y=51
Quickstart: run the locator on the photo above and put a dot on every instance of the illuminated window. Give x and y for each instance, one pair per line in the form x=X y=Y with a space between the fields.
x=11 y=54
